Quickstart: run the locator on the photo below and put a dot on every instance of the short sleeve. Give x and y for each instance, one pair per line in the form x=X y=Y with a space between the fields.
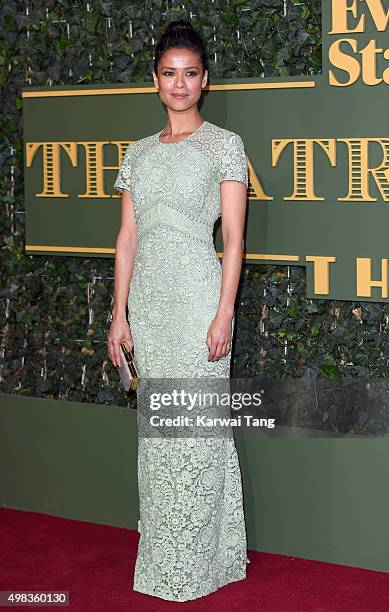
x=123 y=179
x=233 y=162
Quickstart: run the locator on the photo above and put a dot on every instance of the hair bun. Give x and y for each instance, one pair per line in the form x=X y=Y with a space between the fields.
x=178 y=26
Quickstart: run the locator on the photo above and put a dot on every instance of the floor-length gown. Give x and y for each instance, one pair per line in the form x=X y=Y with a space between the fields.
x=192 y=526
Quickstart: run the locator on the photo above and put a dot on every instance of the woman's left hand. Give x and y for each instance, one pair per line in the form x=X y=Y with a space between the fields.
x=219 y=337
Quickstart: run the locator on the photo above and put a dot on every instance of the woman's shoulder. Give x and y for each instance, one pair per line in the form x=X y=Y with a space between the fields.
x=224 y=135
x=137 y=147
x=231 y=155
x=142 y=142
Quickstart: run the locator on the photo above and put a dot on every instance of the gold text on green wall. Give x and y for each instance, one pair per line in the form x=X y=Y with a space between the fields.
x=359 y=61
x=358 y=170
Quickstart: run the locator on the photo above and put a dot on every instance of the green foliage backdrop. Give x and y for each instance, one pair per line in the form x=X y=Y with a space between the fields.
x=55 y=311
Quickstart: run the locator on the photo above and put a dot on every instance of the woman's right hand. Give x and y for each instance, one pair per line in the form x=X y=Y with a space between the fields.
x=119 y=331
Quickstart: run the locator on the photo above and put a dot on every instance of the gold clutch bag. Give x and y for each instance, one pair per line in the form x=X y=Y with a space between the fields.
x=128 y=371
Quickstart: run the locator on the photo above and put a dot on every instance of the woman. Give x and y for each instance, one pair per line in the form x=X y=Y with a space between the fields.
x=175 y=184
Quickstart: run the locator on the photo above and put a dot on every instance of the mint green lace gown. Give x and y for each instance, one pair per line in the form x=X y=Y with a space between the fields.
x=192 y=526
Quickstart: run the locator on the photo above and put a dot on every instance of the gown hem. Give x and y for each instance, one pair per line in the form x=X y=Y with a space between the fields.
x=146 y=591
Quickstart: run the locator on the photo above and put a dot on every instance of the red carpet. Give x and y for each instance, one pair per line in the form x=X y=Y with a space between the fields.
x=95 y=563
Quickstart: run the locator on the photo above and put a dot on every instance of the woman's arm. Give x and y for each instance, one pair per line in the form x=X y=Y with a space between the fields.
x=124 y=265
x=233 y=206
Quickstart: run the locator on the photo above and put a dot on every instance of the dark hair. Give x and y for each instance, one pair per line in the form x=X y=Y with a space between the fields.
x=180 y=34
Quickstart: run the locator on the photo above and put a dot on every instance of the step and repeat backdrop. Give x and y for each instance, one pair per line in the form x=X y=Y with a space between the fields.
x=317 y=149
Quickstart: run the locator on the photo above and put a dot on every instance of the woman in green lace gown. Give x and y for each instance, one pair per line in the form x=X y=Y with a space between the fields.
x=175 y=184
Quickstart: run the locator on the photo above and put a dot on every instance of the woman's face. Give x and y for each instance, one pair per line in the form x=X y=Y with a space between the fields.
x=180 y=78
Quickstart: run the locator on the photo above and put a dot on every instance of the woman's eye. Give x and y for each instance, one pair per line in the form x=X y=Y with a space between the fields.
x=168 y=72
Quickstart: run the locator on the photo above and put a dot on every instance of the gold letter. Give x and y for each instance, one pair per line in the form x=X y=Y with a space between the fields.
x=321 y=274
x=380 y=19
x=255 y=186
x=345 y=62
x=303 y=163
x=94 y=167
x=364 y=282
x=369 y=64
x=51 y=165
x=358 y=155
x=340 y=9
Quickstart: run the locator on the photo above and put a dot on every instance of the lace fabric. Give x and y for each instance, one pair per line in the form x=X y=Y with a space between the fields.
x=192 y=526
